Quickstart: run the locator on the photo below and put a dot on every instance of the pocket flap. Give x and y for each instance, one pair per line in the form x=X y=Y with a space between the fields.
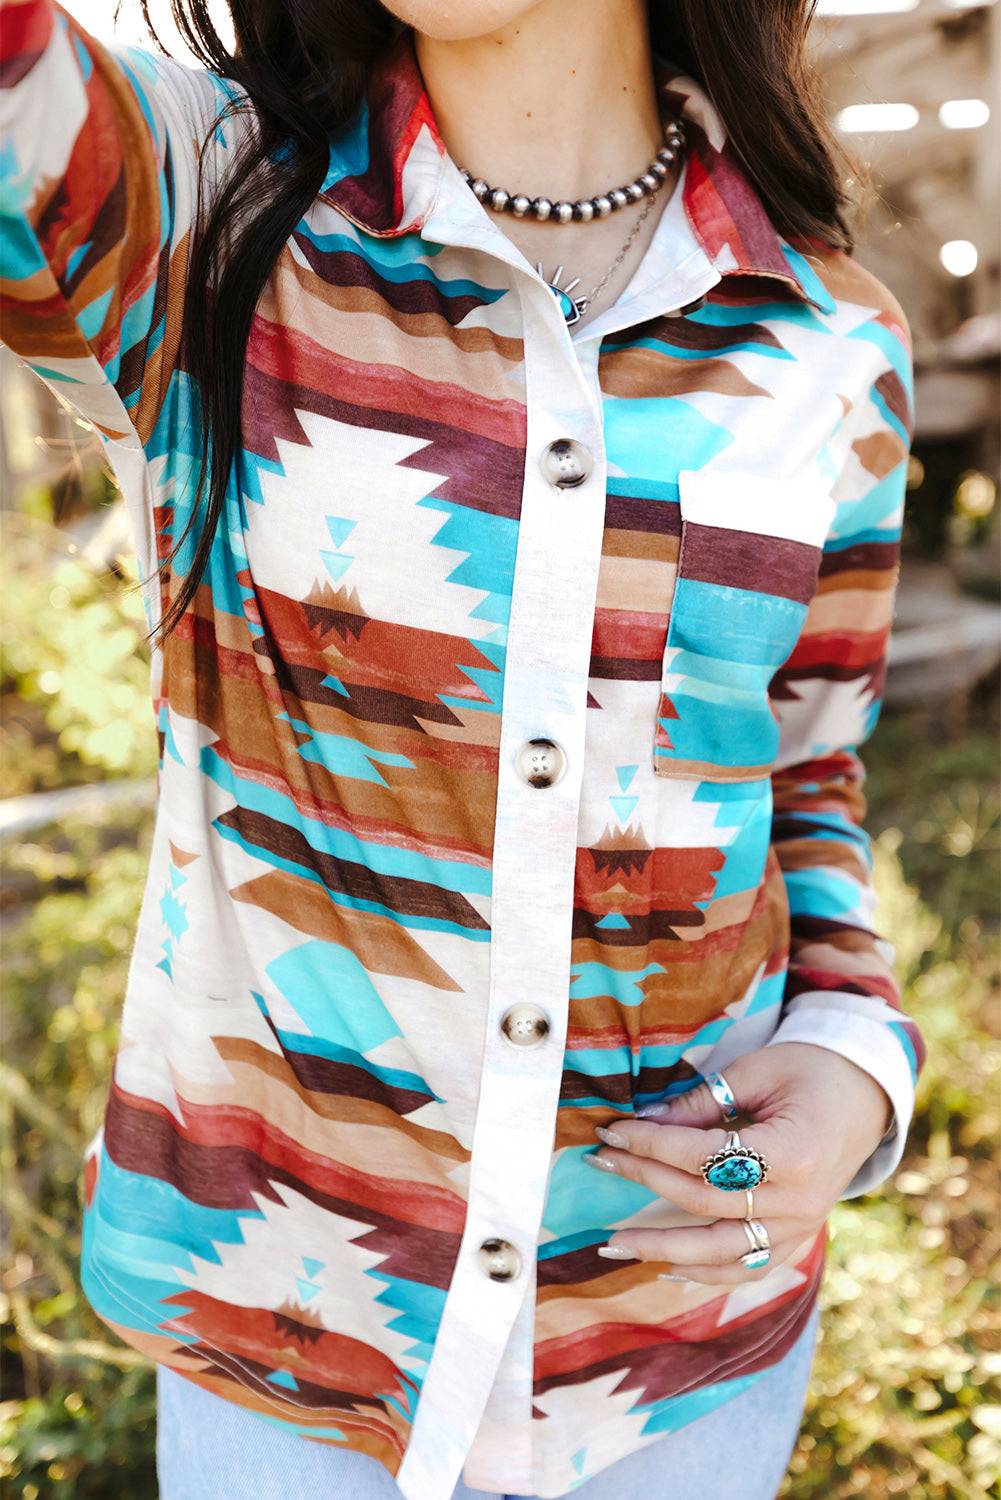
x=798 y=507
x=748 y=562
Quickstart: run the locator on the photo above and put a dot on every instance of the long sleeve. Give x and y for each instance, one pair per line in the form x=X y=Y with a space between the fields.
x=98 y=187
x=841 y=992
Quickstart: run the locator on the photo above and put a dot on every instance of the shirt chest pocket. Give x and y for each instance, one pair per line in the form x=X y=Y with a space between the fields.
x=748 y=564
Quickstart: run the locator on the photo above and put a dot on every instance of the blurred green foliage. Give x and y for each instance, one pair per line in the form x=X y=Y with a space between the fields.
x=904 y=1399
x=72 y=680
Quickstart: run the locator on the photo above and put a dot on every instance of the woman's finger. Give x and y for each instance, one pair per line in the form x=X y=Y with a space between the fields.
x=715 y=1244
x=735 y=1273
x=693 y=1193
x=653 y=1247
x=682 y=1146
x=788 y=1151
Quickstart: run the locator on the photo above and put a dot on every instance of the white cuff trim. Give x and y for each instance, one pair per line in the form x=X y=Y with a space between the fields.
x=871 y=1046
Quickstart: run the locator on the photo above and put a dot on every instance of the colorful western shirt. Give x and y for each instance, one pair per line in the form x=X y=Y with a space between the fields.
x=490 y=807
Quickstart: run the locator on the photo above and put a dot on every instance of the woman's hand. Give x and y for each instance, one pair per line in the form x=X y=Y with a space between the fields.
x=816 y=1118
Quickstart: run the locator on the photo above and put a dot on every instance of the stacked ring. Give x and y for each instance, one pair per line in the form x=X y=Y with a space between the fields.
x=735 y=1167
x=760 y=1252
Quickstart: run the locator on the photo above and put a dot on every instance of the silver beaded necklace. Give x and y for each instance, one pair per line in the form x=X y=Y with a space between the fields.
x=583 y=211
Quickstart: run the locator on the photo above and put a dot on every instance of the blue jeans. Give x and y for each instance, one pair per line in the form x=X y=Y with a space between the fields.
x=211 y=1449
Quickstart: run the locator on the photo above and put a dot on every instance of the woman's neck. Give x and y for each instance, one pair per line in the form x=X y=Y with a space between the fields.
x=560 y=103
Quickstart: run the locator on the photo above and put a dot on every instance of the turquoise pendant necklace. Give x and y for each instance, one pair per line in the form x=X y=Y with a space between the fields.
x=573 y=308
x=585 y=210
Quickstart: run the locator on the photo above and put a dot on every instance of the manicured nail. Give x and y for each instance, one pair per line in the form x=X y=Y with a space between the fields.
x=666 y=1276
x=653 y=1111
x=615 y=1252
x=603 y=1162
x=612 y=1137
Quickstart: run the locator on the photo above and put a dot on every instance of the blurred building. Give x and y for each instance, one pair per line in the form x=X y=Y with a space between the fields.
x=913 y=86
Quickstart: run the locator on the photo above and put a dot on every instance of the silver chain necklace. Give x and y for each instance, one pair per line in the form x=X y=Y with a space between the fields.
x=586 y=210
x=574 y=308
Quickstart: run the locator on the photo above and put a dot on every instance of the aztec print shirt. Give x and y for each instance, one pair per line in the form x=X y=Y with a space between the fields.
x=395 y=962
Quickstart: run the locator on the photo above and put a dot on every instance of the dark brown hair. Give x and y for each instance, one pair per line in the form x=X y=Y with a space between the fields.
x=303 y=66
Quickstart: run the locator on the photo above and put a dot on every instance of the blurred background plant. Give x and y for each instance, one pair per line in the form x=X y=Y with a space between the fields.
x=906 y=1392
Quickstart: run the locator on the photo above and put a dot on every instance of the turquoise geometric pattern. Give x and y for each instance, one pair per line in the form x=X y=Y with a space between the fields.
x=173 y=913
x=383 y=990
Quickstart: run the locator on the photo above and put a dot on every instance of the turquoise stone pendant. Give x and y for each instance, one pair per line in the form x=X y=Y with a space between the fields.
x=735 y=1168
x=572 y=308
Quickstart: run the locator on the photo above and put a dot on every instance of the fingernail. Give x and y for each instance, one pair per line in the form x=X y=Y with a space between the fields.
x=615 y=1252
x=603 y=1162
x=666 y=1276
x=652 y=1111
x=612 y=1137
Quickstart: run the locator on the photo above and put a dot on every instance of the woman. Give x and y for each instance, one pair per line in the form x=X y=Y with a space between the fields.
x=520 y=573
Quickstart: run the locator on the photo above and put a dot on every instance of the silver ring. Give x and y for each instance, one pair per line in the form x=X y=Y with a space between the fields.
x=723 y=1094
x=757 y=1234
x=735 y=1167
x=749 y=1196
x=760 y=1252
x=752 y=1238
x=755 y=1259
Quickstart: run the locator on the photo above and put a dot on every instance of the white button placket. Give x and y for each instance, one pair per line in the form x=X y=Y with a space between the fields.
x=484 y=1340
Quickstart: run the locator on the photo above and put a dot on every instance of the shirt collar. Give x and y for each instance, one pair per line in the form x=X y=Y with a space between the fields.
x=386 y=169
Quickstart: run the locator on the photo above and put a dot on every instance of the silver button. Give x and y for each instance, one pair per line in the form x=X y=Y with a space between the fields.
x=541 y=762
x=566 y=463
x=499 y=1259
x=525 y=1025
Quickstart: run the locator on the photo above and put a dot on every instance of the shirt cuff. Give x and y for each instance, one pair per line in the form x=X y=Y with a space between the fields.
x=871 y=1046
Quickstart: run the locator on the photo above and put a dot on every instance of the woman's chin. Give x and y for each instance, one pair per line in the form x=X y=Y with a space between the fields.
x=458 y=20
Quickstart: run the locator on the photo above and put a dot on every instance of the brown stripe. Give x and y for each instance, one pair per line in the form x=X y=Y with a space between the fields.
x=381 y=945
x=643 y=516
x=893 y=392
x=747 y=560
x=324 y=1075
x=13 y=69
x=693 y=336
x=632 y=373
x=350 y=268
x=659 y=545
x=309 y=1397
x=247 y=1058
x=864 y=558
x=625 y=669
x=400 y=895
x=368 y=704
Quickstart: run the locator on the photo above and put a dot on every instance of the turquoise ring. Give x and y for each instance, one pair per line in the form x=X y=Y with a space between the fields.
x=755 y=1259
x=735 y=1167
